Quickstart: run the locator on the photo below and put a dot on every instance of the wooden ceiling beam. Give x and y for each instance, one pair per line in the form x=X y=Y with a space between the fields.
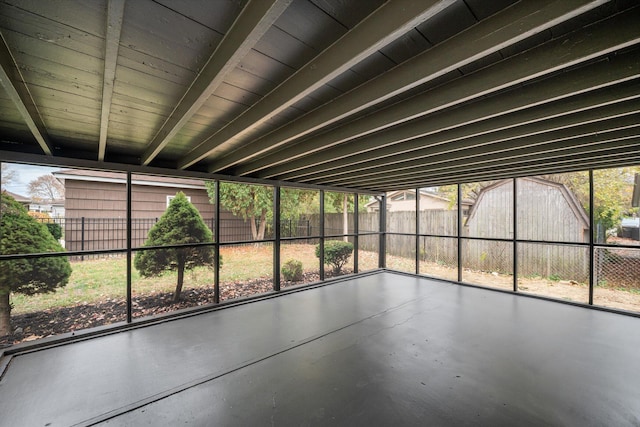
x=115 y=14
x=503 y=145
x=601 y=160
x=598 y=85
x=391 y=20
x=582 y=46
x=506 y=28
x=254 y=20
x=14 y=84
x=582 y=109
x=568 y=145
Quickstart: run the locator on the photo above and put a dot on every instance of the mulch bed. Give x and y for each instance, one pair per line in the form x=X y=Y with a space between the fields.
x=56 y=321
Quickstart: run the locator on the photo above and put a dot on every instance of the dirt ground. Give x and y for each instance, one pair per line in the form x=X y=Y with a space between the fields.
x=563 y=289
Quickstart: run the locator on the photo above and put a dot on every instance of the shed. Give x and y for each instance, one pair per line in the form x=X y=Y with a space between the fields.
x=547 y=211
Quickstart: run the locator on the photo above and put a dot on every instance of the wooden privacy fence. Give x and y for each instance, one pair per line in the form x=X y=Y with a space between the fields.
x=613 y=267
x=547 y=260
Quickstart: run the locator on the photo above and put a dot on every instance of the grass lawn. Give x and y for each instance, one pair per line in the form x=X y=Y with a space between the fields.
x=99 y=280
x=105 y=279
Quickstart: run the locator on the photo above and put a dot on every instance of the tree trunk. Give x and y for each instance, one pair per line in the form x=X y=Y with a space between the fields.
x=254 y=230
x=5 y=315
x=181 y=264
x=345 y=218
x=263 y=225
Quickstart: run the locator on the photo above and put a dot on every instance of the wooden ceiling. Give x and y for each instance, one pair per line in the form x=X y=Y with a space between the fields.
x=363 y=94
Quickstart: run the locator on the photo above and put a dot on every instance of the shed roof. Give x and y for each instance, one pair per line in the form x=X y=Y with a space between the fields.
x=572 y=200
x=371 y=95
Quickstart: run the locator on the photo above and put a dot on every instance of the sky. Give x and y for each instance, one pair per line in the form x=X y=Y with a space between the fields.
x=24 y=175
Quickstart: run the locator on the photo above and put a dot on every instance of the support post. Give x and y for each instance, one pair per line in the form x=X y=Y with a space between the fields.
x=129 y=253
x=276 y=244
x=515 y=234
x=417 y=219
x=216 y=258
x=459 y=232
x=355 y=232
x=592 y=250
x=321 y=235
x=382 y=253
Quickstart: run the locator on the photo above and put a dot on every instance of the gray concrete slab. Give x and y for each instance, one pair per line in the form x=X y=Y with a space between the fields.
x=377 y=350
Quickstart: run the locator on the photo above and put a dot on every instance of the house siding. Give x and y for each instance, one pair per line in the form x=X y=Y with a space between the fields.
x=96 y=213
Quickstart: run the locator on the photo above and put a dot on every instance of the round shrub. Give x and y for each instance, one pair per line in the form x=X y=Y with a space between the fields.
x=336 y=254
x=292 y=270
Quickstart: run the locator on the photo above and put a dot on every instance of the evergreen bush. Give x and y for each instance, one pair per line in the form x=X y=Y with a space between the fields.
x=22 y=234
x=180 y=224
x=336 y=254
x=292 y=270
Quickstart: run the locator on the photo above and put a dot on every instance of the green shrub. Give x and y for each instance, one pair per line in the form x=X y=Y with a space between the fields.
x=54 y=229
x=180 y=224
x=336 y=254
x=292 y=270
x=22 y=234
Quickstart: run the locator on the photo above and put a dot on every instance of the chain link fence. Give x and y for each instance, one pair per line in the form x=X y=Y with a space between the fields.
x=617 y=268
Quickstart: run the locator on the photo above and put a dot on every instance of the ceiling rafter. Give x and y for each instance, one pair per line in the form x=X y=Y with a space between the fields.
x=569 y=92
x=115 y=14
x=506 y=28
x=598 y=161
x=450 y=145
x=606 y=156
x=540 y=119
x=14 y=84
x=388 y=22
x=501 y=144
x=598 y=40
x=254 y=20
x=579 y=143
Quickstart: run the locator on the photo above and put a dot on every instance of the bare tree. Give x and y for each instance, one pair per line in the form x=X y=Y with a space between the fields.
x=7 y=175
x=46 y=188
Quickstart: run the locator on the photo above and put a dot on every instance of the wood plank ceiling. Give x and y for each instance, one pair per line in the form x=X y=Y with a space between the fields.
x=365 y=94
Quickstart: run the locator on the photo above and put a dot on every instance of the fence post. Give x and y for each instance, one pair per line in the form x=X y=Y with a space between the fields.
x=82 y=237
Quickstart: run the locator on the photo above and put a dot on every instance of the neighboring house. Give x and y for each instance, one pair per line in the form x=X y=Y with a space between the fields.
x=25 y=201
x=98 y=194
x=405 y=200
x=55 y=209
x=96 y=207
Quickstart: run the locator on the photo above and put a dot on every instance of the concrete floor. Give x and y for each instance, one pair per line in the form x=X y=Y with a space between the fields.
x=385 y=349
